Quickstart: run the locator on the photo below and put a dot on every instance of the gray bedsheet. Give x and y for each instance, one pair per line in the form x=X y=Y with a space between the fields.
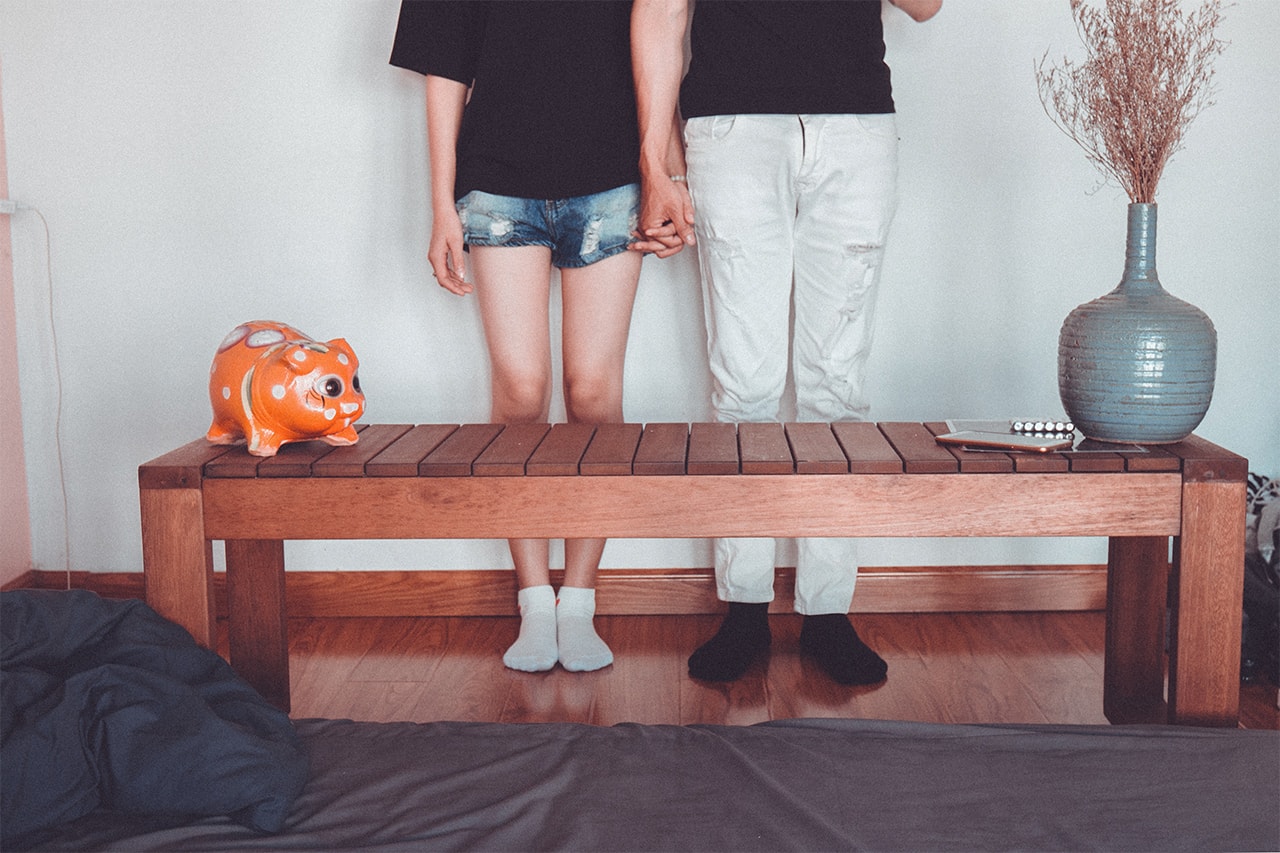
x=793 y=785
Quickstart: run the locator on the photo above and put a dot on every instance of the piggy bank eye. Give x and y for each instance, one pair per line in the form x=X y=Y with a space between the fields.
x=355 y=383
x=329 y=386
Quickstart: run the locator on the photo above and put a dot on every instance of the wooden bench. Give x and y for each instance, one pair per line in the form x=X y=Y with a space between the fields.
x=481 y=481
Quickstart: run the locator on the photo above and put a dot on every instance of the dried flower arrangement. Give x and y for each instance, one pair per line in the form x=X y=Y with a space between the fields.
x=1148 y=73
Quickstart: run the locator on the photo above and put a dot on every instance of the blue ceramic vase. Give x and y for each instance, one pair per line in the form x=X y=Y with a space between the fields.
x=1137 y=365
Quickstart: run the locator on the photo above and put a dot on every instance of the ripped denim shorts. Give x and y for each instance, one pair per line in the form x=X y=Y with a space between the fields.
x=578 y=231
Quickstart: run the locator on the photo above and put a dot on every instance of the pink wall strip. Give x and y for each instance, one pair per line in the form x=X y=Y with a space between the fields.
x=15 y=518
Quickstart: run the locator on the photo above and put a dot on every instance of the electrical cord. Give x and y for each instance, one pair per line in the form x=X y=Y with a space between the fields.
x=10 y=207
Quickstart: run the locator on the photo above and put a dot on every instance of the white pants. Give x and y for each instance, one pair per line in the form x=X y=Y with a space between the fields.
x=791 y=213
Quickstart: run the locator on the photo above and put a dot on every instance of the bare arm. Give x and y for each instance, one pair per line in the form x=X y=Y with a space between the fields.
x=657 y=58
x=445 y=100
x=919 y=10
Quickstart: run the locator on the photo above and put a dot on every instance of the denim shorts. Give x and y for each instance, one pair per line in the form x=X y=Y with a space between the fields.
x=578 y=231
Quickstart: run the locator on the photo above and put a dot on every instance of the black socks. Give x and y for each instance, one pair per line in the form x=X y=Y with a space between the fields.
x=833 y=644
x=743 y=637
x=828 y=639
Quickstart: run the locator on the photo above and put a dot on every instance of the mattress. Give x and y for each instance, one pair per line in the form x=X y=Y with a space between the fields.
x=783 y=785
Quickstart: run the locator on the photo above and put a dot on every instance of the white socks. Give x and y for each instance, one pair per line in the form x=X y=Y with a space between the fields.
x=535 y=649
x=551 y=631
x=581 y=649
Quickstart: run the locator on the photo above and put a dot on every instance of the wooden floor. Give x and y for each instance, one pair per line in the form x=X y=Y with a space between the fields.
x=947 y=668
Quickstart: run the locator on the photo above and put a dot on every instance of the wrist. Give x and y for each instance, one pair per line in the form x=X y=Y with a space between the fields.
x=656 y=167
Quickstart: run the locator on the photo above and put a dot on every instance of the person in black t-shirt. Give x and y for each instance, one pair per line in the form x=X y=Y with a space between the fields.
x=791 y=149
x=533 y=162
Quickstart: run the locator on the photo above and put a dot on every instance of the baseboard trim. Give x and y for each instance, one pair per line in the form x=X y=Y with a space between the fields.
x=901 y=589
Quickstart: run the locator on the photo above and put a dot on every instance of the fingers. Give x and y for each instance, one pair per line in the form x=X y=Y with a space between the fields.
x=447 y=258
x=453 y=284
x=664 y=248
x=662 y=240
x=448 y=273
x=684 y=222
x=684 y=232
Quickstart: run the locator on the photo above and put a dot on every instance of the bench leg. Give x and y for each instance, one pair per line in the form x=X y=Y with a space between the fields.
x=257 y=627
x=1137 y=584
x=1208 y=582
x=177 y=561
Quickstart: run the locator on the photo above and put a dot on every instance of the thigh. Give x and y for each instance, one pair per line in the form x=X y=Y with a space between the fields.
x=842 y=224
x=743 y=173
x=596 y=302
x=850 y=193
x=743 y=180
x=513 y=286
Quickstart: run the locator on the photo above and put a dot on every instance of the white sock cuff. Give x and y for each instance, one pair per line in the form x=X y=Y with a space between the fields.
x=536 y=598
x=576 y=599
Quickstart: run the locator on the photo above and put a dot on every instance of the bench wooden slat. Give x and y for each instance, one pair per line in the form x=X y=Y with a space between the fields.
x=975 y=461
x=561 y=452
x=350 y=461
x=294 y=459
x=457 y=452
x=1093 y=461
x=713 y=449
x=180 y=468
x=612 y=450
x=1154 y=459
x=764 y=449
x=920 y=453
x=815 y=449
x=237 y=462
x=866 y=448
x=403 y=456
x=509 y=451
x=662 y=450
x=1040 y=463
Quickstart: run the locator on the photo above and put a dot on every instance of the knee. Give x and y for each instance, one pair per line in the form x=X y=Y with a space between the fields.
x=593 y=399
x=520 y=398
x=747 y=396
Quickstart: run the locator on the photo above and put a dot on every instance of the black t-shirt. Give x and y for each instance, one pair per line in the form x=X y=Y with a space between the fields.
x=786 y=56
x=552 y=109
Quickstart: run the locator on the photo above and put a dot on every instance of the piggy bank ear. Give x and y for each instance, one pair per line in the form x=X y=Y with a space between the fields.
x=341 y=346
x=298 y=358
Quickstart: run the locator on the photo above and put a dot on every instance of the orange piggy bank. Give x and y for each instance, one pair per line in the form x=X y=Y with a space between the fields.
x=271 y=384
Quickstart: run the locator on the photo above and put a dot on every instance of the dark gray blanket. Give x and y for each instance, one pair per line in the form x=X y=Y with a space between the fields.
x=795 y=785
x=104 y=704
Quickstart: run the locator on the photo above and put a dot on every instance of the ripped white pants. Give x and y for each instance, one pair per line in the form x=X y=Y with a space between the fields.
x=791 y=216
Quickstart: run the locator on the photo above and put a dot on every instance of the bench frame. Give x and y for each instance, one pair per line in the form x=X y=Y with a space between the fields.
x=895 y=482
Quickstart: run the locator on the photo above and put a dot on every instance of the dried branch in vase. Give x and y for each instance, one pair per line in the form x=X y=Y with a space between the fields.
x=1148 y=72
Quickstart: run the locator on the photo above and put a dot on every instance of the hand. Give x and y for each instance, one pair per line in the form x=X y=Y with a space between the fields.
x=448 y=261
x=666 y=217
x=662 y=242
x=919 y=10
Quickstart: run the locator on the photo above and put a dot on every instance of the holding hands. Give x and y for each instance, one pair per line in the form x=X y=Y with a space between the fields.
x=666 y=216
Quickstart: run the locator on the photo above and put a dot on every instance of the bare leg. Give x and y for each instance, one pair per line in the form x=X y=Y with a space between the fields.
x=597 y=302
x=513 y=286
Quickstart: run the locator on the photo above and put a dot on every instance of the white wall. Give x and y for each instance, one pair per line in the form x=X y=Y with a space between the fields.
x=202 y=163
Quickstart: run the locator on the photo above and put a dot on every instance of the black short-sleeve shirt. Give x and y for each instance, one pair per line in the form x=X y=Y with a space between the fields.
x=786 y=56
x=552 y=111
